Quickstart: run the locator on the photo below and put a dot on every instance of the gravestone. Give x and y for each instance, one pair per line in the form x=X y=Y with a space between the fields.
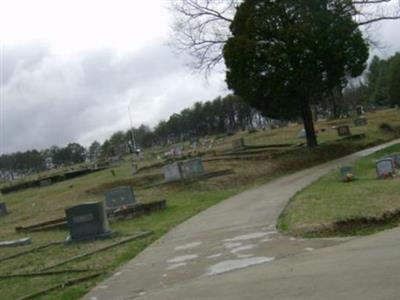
x=385 y=168
x=238 y=144
x=3 y=209
x=301 y=134
x=343 y=130
x=360 y=122
x=396 y=159
x=120 y=197
x=192 y=168
x=183 y=170
x=172 y=172
x=87 y=221
x=347 y=174
x=360 y=110
x=134 y=169
x=45 y=182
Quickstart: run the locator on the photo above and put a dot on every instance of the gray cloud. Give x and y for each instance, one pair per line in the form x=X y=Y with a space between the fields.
x=49 y=99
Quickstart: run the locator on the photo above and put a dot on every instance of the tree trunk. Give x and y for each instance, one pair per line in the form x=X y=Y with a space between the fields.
x=307 y=116
x=337 y=102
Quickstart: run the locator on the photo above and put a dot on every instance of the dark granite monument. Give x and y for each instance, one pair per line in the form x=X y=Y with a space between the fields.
x=87 y=221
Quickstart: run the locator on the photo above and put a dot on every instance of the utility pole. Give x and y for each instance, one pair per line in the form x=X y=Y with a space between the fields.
x=132 y=133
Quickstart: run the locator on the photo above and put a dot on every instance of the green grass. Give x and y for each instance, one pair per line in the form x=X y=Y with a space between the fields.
x=183 y=201
x=330 y=200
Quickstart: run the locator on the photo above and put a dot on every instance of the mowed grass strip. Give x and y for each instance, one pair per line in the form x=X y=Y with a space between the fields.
x=315 y=210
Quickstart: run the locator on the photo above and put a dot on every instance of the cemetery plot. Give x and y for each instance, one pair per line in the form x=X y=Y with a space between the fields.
x=331 y=208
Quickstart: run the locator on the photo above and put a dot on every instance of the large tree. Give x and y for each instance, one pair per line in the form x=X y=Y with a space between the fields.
x=284 y=55
x=201 y=27
x=394 y=80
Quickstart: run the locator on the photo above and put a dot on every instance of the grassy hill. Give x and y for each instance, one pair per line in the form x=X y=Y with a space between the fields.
x=251 y=168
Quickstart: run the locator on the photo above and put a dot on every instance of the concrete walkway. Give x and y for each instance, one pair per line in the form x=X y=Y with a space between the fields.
x=232 y=251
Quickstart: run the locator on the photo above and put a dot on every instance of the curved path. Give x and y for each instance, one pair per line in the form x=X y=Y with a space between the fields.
x=232 y=251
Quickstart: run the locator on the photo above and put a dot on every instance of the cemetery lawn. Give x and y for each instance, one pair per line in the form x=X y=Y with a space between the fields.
x=330 y=207
x=183 y=201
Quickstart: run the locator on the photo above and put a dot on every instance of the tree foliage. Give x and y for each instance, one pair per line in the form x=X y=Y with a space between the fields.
x=201 y=27
x=284 y=55
x=383 y=81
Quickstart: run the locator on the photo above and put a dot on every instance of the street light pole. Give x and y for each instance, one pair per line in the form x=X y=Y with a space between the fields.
x=132 y=133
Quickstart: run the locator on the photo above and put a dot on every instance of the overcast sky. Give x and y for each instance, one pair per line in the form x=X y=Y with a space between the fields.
x=70 y=69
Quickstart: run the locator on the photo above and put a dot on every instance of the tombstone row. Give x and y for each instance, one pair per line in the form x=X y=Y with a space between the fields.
x=88 y=221
x=183 y=170
x=386 y=167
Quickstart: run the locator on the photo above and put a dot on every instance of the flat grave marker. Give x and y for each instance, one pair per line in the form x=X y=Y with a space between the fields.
x=385 y=168
x=87 y=221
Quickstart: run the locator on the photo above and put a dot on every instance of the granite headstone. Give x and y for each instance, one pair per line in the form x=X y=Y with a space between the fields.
x=87 y=221
x=385 y=168
x=343 y=130
x=120 y=197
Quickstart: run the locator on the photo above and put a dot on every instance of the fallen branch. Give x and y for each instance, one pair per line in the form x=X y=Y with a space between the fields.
x=124 y=241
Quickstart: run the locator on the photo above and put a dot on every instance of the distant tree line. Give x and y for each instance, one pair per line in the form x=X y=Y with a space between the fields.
x=222 y=115
x=380 y=86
